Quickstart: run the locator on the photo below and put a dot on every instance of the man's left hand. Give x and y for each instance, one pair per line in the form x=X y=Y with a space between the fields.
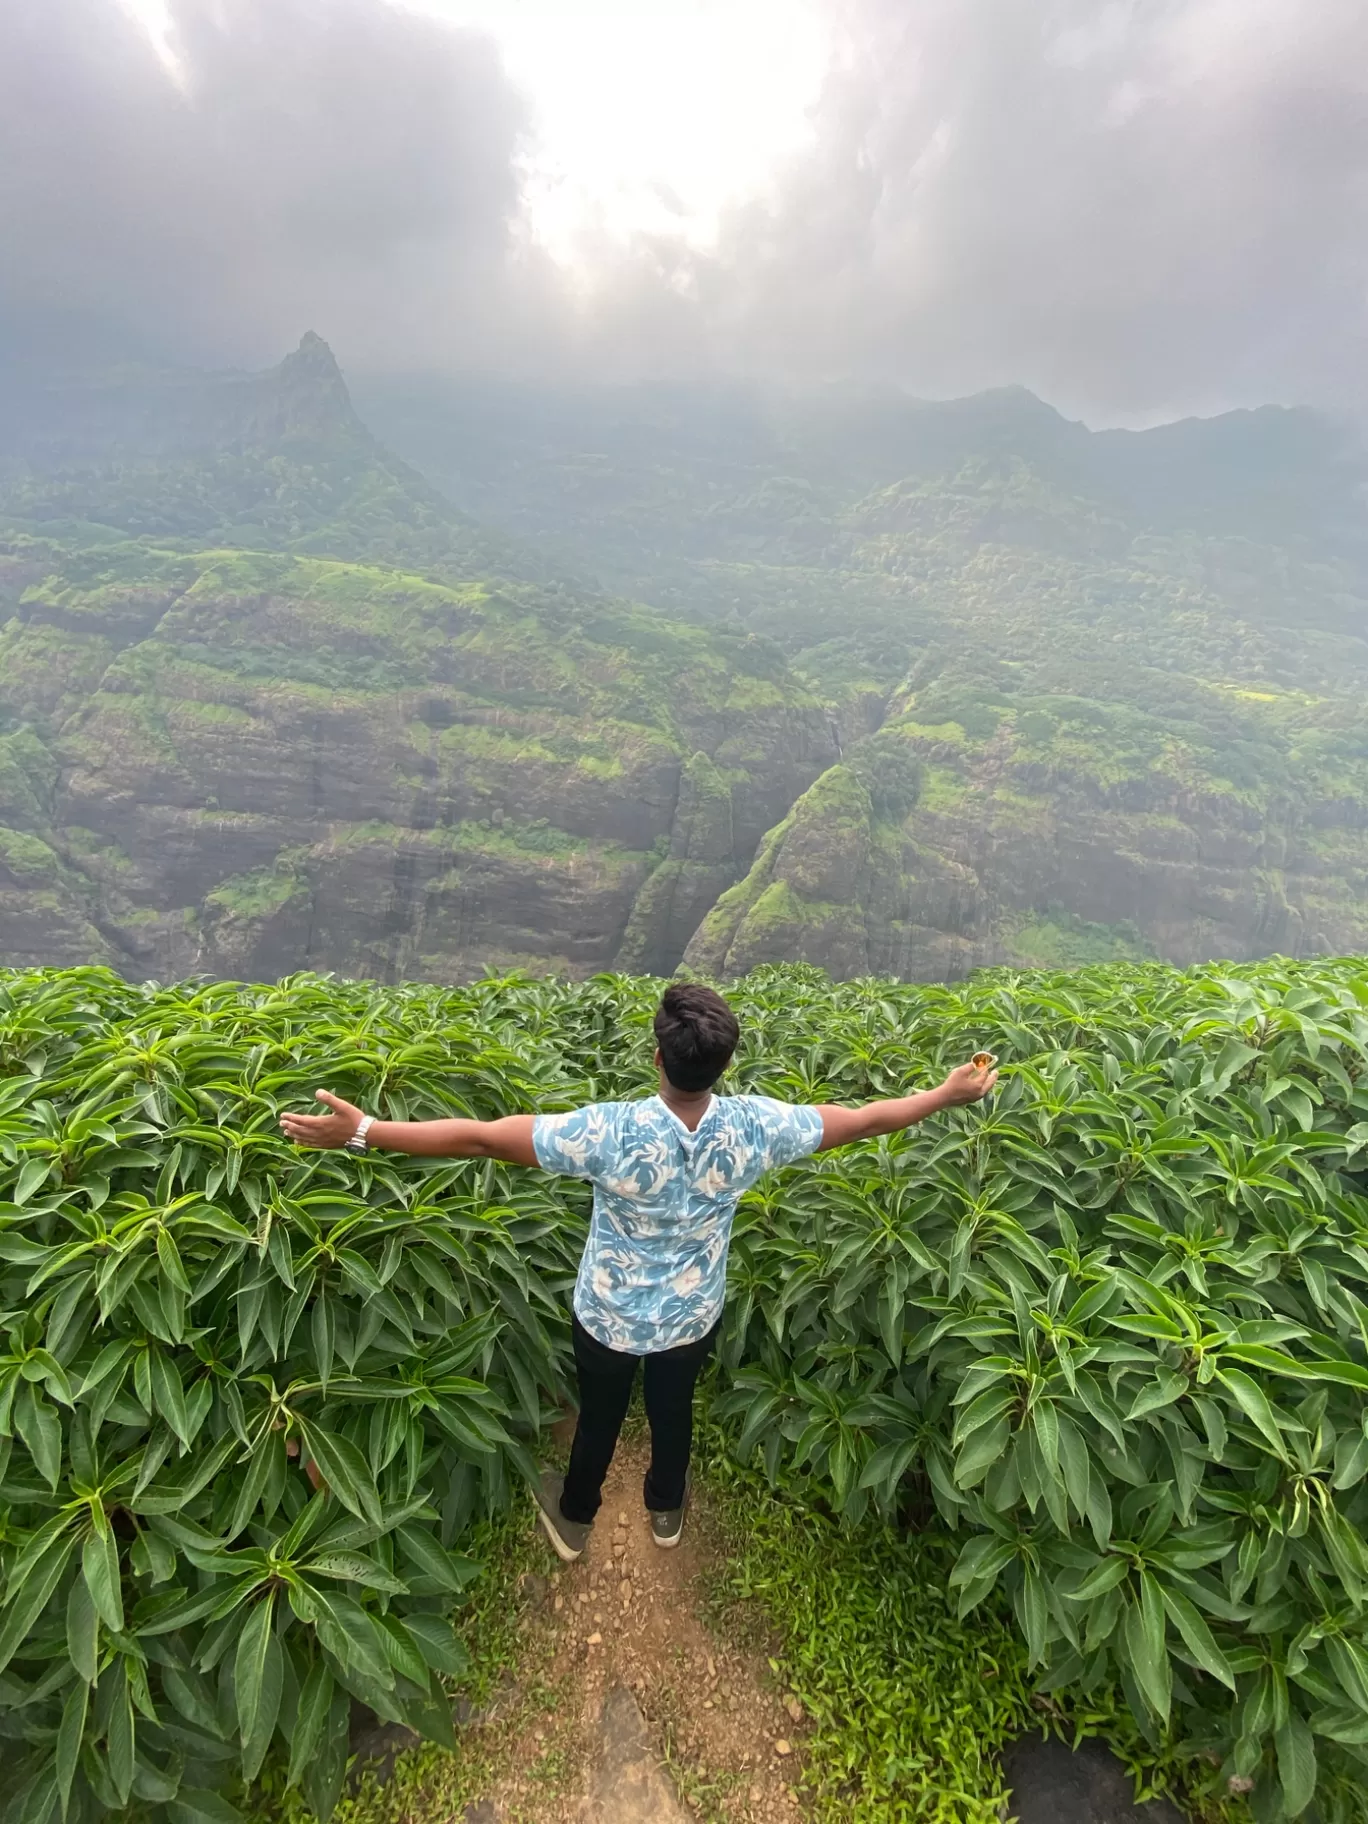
x=967 y=1084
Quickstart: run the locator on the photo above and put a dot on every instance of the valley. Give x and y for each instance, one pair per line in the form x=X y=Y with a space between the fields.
x=886 y=686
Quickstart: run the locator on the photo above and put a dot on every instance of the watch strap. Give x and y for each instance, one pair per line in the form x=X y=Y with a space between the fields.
x=357 y=1143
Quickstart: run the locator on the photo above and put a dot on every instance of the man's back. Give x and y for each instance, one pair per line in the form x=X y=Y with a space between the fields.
x=654 y=1273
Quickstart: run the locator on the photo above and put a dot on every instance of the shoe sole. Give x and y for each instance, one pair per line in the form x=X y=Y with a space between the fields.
x=668 y=1545
x=566 y=1553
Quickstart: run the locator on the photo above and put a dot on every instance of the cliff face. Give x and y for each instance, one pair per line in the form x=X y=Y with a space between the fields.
x=1133 y=665
x=992 y=866
x=235 y=738
x=925 y=686
x=701 y=864
x=251 y=763
x=805 y=896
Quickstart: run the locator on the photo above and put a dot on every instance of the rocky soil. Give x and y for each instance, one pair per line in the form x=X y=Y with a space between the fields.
x=658 y=1717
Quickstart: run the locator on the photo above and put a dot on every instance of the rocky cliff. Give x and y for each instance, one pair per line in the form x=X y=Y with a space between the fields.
x=1132 y=665
x=248 y=763
x=922 y=688
x=990 y=868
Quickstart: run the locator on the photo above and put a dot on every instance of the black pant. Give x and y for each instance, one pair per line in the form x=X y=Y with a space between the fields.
x=605 y=1388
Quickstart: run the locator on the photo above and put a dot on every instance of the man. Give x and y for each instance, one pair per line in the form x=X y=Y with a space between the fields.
x=667 y=1173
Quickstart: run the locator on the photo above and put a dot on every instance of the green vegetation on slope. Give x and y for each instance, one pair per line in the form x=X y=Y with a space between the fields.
x=1157 y=639
x=248 y=759
x=1112 y=680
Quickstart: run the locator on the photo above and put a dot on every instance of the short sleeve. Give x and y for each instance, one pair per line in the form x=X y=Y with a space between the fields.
x=580 y=1144
x=785 y=1131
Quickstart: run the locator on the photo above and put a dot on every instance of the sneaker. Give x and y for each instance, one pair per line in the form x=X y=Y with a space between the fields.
x=666 y=1527
x=569 y=1537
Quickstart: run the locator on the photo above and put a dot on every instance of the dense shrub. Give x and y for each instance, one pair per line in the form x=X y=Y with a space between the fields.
x=1110 y=1326
x=888 y=766
x=196 y=1313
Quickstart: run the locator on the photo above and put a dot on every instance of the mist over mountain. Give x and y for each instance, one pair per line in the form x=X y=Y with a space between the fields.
x=482 y=676
x=516 y=454
x=1140 y=212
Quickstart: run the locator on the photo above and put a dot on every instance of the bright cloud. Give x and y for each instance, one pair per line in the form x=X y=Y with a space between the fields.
x=1135 y=209
x=654 y=115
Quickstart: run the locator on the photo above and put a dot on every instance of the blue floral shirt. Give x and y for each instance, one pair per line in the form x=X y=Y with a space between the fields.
x=654 y=1271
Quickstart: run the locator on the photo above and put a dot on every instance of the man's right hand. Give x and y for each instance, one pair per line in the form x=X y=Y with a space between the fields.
x=330 y=1130
x=967 y=1084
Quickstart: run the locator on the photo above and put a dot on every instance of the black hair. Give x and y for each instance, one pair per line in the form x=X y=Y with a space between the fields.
x=697 y=1034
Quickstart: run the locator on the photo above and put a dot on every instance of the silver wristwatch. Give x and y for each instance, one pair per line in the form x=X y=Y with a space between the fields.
x=357 y=1143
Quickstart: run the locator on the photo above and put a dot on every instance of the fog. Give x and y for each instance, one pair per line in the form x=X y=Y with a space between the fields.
x=1137 y=210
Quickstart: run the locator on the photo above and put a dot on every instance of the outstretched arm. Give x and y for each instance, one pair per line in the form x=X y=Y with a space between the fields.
x=842 y=1125
x=509 y=1139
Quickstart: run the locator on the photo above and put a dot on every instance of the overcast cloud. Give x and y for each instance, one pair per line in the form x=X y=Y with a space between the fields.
x=1136 y=209
x=329 y=164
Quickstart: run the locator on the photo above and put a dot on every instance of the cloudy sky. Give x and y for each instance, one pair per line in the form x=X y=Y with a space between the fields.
x=1137 y=207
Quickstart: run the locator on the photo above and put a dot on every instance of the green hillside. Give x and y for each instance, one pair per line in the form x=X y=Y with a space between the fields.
x=1131 y=666
x=268 y=697
x=241 y=761
x=221 y=751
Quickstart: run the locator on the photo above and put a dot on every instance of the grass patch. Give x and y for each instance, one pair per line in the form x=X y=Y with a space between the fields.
x=1057 y=939
x=257 y=894
x=909 y=1708
x=26 y=859
x=943 y=789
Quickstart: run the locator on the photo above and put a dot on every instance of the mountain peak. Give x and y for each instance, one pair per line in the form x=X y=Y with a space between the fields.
x=314 y=356
x=305 y=396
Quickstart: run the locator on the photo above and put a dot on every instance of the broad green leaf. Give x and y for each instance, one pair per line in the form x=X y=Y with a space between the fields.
x=345 y=1471
x=1351 y=1459
x=83 y=1631
x=26 y=1601
x=1046 y=1426
x=1145 y=1645
x=1163 y=1390
x=355 y=1567
x=121 y=1739
x=168 y=1254
x=981 y=1452
x=447 y=1569
x=265 y=1458
x=100 y=1573
x=1107 y=1575
x=1253 y=1402
x=1034 y=1609
x=439 y=1643
x=1296 y=1764
x=1197 y=1635
x=324 y=1335
x=401 y=1649
x=41 y=1430
x=34 y=1173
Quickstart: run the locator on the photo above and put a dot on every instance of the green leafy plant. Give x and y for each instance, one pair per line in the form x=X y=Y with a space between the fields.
x=248 y=1397
x=1112 y=1327
x=1107 y=1329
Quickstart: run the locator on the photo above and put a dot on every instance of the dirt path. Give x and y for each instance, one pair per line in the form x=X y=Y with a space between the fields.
x=641 y=1701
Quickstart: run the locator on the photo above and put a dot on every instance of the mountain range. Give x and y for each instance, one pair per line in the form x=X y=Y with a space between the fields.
x=486 y=677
